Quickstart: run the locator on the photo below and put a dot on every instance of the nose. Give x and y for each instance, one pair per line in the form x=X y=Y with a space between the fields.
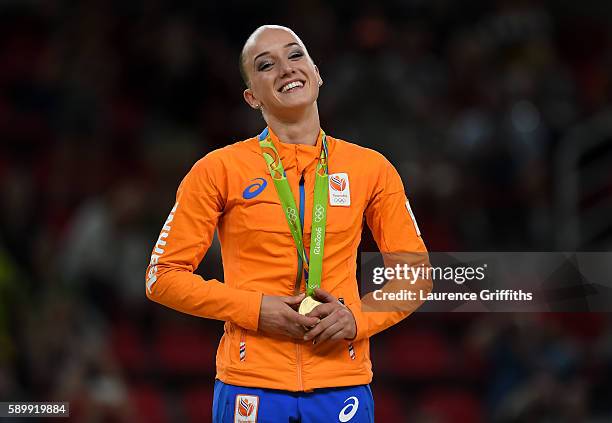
x=286 y=68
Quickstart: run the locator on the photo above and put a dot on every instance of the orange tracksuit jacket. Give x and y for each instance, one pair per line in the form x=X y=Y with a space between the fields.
x=223 y=190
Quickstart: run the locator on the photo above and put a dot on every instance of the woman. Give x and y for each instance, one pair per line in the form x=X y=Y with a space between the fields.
x=289 y=206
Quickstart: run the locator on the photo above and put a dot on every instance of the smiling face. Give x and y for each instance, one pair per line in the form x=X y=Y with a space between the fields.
x=281 y=76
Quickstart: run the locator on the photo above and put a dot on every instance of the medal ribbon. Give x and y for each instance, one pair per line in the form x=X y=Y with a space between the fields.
x=313 y=267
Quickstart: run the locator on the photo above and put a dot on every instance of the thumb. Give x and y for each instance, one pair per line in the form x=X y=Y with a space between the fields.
x=295 y=300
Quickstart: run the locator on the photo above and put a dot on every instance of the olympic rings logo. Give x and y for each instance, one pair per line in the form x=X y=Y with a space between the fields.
x=291 y=214
x=319 y=213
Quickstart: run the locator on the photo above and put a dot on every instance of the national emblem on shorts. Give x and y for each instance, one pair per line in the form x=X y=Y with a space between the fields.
x=246 y=408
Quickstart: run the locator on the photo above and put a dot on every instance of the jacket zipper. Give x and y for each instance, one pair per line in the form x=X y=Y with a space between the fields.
x=298 y=283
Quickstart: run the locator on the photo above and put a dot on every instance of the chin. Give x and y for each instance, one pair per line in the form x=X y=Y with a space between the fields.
x=297 y=103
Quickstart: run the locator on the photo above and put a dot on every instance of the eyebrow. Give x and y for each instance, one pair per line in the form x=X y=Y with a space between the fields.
x=267 y=52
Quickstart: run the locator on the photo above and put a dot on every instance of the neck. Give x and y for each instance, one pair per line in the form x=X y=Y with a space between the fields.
x=303 y=130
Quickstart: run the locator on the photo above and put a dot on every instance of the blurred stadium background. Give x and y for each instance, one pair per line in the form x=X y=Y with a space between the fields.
x=496 y=113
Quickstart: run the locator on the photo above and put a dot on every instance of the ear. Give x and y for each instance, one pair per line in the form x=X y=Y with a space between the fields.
x=318 y=75
x=250 y=99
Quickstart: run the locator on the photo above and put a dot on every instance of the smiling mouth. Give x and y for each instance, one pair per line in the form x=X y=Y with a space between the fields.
x=291 y=86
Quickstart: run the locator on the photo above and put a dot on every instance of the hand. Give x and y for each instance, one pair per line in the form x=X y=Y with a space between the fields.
x=337 y=321
x=277 y=316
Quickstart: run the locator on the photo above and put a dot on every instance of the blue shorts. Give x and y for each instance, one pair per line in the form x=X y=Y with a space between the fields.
x=353 y=404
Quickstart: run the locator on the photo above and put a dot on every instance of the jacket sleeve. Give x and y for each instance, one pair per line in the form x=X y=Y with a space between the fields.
x=183 y=242
x=390 y=218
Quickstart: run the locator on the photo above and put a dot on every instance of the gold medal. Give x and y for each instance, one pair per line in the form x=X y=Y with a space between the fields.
x=307 y=305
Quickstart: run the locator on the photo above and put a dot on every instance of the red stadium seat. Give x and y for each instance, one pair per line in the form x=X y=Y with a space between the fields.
x=148 y=404
x=185 y=350
x=418 y=353
x=388 y=405
x=198 y=404
x=127 y=346
x=584 y=327
x=451 y=406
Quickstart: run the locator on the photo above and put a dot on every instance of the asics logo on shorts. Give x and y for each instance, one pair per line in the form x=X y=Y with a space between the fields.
x=349 y=410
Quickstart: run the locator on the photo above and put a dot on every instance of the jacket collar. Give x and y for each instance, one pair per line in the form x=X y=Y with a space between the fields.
x=291 y=155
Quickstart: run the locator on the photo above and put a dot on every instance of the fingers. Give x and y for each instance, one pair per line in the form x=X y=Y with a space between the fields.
x=337 y=328
x=323 y=310
x=295 y=331
x=324 y=296
x=320 y=328
x=328 y=321
x=295 y=300
x=338 y=336
x=305 y=321
x=340 y=324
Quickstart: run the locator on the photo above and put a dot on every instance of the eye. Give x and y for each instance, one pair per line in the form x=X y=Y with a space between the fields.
x=296 y=55
x=262 y=66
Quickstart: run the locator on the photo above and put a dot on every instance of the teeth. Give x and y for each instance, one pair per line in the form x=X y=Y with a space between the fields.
x=292 y=85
